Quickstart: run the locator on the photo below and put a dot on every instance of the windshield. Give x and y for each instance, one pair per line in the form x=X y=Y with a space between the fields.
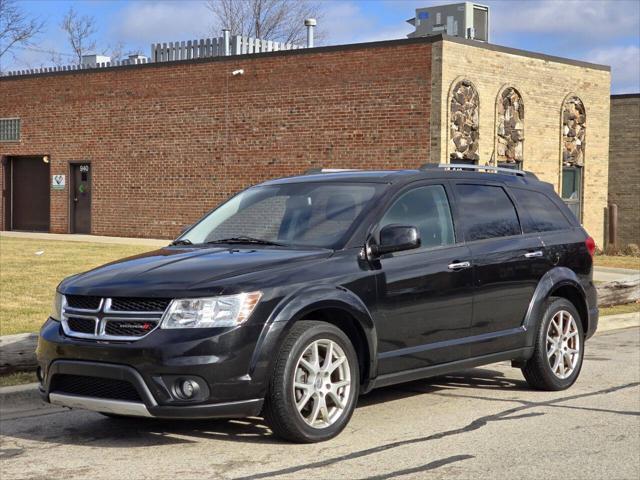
x=299 y=214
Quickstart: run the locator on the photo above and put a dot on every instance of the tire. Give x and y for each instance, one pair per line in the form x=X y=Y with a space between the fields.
x=280 y=409
x=539 y=369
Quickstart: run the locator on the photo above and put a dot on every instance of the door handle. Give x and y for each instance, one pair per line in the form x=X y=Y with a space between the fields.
x=459 y=265
x=537 y=253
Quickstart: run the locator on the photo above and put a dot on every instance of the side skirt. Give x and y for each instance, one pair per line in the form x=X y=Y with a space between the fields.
x=519 y=354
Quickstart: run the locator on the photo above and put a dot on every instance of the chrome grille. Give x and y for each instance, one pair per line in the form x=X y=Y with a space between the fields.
x=83 y=302
x=117 y=319
x=140 y=304
x=82 y=324
x=136 y=328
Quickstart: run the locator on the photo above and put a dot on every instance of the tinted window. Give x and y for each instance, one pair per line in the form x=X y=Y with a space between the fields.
x=314 y=214
x=426 y=208
x=486 y=212
x=543 y=214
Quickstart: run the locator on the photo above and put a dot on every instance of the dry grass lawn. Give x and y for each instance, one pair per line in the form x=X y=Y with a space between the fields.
x=617 y=261
x=618 y=309
x=30 y=270
x=18 y=378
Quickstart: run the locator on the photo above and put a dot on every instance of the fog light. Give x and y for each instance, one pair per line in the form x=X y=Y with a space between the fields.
x=187 y=389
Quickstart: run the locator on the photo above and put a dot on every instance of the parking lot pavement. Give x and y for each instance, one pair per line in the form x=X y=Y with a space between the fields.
x=481 y=423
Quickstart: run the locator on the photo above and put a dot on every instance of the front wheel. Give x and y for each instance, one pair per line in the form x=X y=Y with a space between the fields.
x=314 y=385
x=559 y=348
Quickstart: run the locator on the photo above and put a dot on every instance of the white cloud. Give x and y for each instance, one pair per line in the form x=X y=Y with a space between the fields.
x=347 y=22
x=624 y=62
x=582 y=18
x=146 y=22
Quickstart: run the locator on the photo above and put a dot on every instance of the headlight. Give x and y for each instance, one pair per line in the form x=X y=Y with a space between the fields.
x=56 y=308
x=224 y=311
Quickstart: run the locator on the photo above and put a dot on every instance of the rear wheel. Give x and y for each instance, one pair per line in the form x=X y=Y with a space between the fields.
x=314 y=386
x=559 y=348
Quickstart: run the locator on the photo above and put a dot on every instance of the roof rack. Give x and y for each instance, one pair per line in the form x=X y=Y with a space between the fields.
x=314 y=171
x=477 y=168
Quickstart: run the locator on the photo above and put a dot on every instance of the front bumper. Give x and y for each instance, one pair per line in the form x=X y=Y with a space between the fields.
x=147 y=407
x=220 y=360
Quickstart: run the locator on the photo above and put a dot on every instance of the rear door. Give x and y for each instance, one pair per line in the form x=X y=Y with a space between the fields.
x=543 y=216
x=424 y=295
x=507 y=265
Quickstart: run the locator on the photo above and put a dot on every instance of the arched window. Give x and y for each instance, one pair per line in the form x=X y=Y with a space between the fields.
x=510 y=129
x=464 y=123
x=574 y=129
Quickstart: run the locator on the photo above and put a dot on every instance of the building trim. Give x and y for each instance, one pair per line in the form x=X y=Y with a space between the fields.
x=327 y=49
x=621 y=96
x=525 y=53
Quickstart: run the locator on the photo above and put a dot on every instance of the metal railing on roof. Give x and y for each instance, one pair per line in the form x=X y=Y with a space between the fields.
x=461 y=167
x=225 y=45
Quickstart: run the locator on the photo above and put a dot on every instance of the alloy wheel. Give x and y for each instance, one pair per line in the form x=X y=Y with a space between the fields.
x=322 y=383
x=563 y=344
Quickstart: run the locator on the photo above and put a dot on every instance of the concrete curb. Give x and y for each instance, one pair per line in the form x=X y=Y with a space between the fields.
x=622 y=271
x=29 y=391
x=19 y=394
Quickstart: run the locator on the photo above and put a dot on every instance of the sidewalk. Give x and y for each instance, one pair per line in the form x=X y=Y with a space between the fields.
x=610 y=274
x=86 y=238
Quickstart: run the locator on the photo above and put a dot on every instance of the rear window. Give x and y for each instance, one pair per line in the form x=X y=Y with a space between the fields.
x=486 y=211
x=542 y=215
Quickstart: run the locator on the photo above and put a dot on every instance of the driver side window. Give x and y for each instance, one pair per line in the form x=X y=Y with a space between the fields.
x=427 y=209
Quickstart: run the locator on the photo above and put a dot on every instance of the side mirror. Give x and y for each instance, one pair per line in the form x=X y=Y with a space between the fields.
x=396 y=238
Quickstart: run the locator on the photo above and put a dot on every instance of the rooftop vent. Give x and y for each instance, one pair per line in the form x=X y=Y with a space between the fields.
x=466 y=20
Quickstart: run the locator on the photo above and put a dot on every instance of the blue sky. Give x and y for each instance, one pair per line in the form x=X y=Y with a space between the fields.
x=600 y=31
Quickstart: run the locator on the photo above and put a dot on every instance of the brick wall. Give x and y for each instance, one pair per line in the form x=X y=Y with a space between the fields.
x=624 y=166
x=167 y=142
x=544 y=83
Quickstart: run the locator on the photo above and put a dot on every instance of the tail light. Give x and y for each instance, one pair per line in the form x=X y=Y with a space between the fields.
x=590 y=243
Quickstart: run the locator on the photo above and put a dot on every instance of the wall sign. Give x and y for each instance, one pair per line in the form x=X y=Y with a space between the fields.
x=58 y=182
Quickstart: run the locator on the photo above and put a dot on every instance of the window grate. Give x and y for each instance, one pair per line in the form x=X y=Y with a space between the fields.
x=9 y=129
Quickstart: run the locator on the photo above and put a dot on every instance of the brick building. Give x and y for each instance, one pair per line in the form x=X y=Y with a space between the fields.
x=624 y=163
x=154 y=146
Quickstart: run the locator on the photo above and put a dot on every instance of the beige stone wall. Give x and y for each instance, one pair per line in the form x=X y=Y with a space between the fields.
x=544 y=84
x=624 y=166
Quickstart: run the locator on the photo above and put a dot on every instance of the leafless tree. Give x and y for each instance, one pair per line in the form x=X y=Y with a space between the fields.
x=280 y=20
x=17 y=29
x=80 y=31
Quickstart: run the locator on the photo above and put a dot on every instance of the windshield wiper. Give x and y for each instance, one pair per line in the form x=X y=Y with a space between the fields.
x=181 y=242
x=245 y=239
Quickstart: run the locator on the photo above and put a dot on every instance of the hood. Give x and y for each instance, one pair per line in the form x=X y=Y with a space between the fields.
x=178 y=271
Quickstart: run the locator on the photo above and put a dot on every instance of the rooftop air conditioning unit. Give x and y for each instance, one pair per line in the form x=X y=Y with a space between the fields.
x=466 y=20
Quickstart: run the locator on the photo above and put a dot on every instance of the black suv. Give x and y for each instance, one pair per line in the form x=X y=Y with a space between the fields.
x=299 y=294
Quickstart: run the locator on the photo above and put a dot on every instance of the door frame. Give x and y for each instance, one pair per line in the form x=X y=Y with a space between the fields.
x=7 y=187
x=72 y=189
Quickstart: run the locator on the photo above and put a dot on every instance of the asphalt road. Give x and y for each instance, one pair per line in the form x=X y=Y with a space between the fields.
x=481 y=423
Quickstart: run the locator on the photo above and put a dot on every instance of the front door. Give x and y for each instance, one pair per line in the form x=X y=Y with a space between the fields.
x=424 y=295
x=81 y=198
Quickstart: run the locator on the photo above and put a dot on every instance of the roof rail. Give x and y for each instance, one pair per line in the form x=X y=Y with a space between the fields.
x=314 y=171
x=477 y=168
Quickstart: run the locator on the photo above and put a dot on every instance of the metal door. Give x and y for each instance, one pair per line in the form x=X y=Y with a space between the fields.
x=30 y=195
x=81 y=198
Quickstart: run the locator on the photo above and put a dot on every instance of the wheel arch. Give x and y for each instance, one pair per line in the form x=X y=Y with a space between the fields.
x=557 y=282
x=335 y=305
